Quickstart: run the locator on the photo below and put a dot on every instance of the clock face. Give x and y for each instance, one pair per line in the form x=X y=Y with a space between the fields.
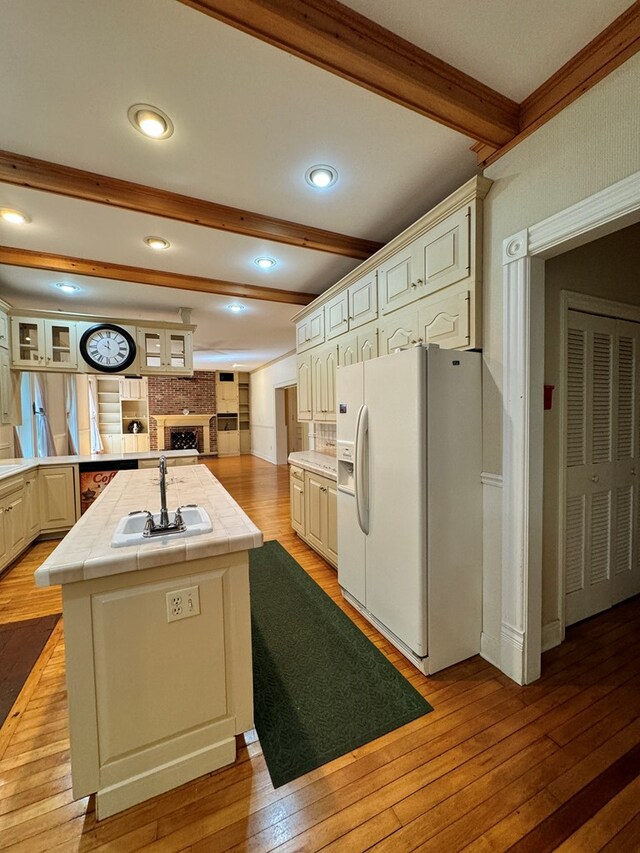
x=108 y=348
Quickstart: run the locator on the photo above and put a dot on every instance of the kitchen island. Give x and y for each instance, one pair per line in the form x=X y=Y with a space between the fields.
x=157 y=638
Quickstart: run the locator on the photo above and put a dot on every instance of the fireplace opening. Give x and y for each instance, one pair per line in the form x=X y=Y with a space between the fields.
x=184 y=439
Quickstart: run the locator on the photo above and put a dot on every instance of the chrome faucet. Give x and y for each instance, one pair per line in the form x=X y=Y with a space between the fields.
x=164 y=514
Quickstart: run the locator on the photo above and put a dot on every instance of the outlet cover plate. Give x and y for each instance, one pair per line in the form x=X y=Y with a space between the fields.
x=183 y=603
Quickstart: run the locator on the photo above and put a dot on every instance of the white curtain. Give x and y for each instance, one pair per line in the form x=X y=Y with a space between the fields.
x=44 y=436
x=96 y=438
x=71 y=408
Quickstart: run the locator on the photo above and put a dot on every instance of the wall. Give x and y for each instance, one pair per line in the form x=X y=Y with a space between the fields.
x=169 y=395
x=607 y=268
x=263 y=383
x=6 y=441
x=586 y=148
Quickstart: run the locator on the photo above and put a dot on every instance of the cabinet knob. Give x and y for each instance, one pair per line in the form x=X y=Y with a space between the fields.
x=595 y=478
x=413 y=284
x=419 y=280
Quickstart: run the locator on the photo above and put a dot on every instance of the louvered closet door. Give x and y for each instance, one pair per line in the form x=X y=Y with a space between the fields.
x=600 y=543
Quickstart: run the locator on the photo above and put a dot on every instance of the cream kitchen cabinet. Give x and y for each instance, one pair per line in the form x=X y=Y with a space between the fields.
x=314 y=511
x=445 y=322
x=310 y=331
x=133 y=389
x=133 y=443
x=358 y=347
x=435 y=260
x=165 y=351
x=6 y=389
x=4 y=327
x=353 y=308
x=31 y=506
x=296 y=494
x=324 y=361
x=12 y=519
x=304 y=382
x=398 y=330
x=57 y=487
x=44 y=344
x=321 y=516
x=227 y=392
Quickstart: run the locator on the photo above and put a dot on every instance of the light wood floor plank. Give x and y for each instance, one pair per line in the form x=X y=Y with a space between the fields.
x=490 y=764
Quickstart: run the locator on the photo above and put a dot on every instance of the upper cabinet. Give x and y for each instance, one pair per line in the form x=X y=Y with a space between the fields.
x=165 y=351
x=424 y=287
x=40 y=341
x=310 y=331
x=44 y=344
x=353 y=307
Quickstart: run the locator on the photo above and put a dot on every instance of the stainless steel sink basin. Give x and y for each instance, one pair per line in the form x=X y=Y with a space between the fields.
x=130 y=529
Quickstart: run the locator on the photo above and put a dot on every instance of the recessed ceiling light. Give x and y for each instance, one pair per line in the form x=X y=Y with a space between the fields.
x=157 y=243
x=236 y=307
x=321 y=177
x=236 y=365
x=265 y=263
x=16 y=217
x=150 y=121
x=67 y=288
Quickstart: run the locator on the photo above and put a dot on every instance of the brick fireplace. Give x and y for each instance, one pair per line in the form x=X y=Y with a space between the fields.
x=169 y=396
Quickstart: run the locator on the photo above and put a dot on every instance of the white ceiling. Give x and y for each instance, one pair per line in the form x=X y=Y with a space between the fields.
x=249 y=120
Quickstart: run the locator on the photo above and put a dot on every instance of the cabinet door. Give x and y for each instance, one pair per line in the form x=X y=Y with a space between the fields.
x=227 y=392
x=4 y=534
x=4 y=330
x=310 y=331
x=150 y=345
x=316 y=510
x=31 y=506
x=129 y=443
x=363 y=301
x=337 y=315
x=330 y=363
x=296 y=492
x=57 y=497
x=27 y=342
x=178 y=352
x=368 y=343
x=445 y=251
x=347 y=350
x=445 y=321
x=318 y=385
x=61 y=345
x=399 y=280
x=15 y=511
x=305 y=405
x=6 y=389
x=399 y=330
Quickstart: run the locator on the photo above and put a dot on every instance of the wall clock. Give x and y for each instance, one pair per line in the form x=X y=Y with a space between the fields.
x=107 y=348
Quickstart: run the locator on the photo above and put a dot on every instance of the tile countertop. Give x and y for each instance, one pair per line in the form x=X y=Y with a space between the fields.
x=86 y=553
x=319 y=463
x=11 y=467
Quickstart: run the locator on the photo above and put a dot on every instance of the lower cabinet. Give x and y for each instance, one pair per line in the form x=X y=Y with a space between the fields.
x=31 y=505
x=57 y=488
x=12 y=519
x=314 y=511
x=228 y=442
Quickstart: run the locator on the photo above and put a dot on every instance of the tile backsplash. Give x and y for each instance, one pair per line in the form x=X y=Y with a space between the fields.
x=325 y=438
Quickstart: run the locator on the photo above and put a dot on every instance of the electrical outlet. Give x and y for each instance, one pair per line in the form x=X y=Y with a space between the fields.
x=183 y=603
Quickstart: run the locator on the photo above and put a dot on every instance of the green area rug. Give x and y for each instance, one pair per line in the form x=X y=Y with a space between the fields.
x=321 y=688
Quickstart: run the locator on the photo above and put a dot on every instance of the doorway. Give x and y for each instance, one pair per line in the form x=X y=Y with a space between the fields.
x=291 y=435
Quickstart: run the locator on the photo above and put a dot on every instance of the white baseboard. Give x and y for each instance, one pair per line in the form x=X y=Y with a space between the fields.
x=490 y=649
x=551 y=635
x=512 y=653
x=266 y=458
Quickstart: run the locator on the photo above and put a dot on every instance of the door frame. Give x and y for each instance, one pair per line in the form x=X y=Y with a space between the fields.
x=573 y=301
x=523 y=257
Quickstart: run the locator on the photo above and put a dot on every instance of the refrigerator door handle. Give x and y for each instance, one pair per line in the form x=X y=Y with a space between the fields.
x=362 y=501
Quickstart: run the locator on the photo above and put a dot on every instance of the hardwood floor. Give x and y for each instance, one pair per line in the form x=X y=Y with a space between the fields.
x=555 y=765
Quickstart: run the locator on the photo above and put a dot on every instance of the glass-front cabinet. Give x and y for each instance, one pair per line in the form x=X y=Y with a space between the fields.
x=165 y=351
x=44 y=343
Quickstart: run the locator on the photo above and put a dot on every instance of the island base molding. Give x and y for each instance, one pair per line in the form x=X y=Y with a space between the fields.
x=146 y=713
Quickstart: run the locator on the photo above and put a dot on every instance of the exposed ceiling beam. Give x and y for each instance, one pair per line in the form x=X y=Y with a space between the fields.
x=334 y=37
x=89 y=186
x=139 y=275
x=606 y=52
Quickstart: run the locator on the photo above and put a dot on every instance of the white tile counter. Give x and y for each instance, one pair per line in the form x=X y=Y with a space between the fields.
x=86 y=553
x=318 y=463
x=11 y=467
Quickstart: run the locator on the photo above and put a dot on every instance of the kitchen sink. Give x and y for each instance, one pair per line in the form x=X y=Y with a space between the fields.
x=4 y=469
x=130 y=529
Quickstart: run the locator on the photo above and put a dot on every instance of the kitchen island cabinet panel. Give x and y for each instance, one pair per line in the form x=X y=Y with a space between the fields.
x=57 y=488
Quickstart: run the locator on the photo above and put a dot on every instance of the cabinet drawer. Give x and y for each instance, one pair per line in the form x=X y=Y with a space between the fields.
x=296 y=473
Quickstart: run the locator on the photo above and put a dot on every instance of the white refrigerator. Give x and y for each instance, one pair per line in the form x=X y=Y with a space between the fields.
x=409 y=500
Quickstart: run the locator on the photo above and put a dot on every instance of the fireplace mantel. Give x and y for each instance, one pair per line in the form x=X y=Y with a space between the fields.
x=184 y=421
